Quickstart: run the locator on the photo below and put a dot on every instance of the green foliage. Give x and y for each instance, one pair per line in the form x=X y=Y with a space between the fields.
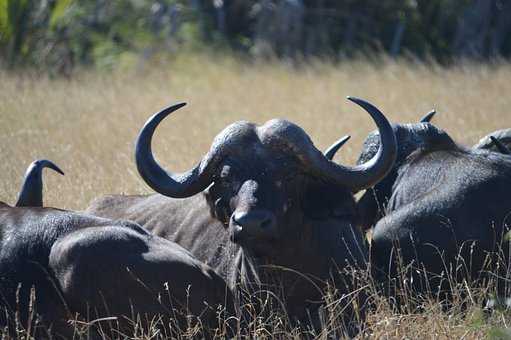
x=58 y=12
x=26 y=27
x=5 y=27
x=60 y=34
x=57 y=34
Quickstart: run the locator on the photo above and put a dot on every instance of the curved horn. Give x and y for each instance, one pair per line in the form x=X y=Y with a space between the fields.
x=177 y=185
x=500 y=146
x=332 y=150
x=31 y=194
x=364 y=175
x=428 y=116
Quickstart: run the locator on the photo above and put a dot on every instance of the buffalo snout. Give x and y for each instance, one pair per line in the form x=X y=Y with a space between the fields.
x=253 y=224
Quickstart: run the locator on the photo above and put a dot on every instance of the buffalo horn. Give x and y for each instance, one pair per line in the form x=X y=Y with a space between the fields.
x=364 y=175
x=31 y=194
x=428 y=116
x=177 y=185
x=332 y=150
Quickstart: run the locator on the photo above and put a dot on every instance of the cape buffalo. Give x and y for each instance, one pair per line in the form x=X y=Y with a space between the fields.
x=439 y=212
x=57 y=265
x=272 y=207
x=499 y=140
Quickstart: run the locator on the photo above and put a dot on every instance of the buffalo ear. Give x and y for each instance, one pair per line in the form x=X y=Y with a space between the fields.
x=500 y=146
x=217 y=208
x=211 y=204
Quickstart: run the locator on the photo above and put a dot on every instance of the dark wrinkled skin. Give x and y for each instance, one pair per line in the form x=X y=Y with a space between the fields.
x=504 y=136
x=441 y=198
x=313 y=231
x=74 y=259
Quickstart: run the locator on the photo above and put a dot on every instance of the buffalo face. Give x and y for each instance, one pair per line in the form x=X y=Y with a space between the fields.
x=248 y=198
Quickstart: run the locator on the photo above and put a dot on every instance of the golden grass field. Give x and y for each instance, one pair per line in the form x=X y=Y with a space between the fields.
x=87 y=125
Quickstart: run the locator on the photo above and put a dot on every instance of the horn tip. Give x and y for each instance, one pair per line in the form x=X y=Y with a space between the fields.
x=428 y=116
x=356 y=100
x=176 y=106
x=49 y=164
x=157 y=117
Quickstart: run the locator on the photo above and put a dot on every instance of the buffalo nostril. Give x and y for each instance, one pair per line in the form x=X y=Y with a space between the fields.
x=238 y=218
x=236 y=233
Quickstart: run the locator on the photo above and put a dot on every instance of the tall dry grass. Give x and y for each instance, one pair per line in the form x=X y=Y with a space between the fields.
x=87 y=125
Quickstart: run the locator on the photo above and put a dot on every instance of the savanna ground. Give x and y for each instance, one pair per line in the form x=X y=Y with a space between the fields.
x=88 y=124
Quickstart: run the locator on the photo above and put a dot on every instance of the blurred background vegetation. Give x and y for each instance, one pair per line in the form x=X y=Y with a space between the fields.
x=60 y=35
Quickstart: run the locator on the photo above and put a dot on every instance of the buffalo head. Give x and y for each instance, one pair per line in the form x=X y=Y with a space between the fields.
x=261 y=181
x=410 y=138
x=499 y=140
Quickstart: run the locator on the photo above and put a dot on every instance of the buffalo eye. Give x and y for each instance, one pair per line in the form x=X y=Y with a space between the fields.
x=222 y=210
x=225 y=172
x=228 y=180
x=225 y=176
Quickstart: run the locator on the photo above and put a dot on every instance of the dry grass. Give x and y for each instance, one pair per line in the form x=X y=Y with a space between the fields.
x=87 y=125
